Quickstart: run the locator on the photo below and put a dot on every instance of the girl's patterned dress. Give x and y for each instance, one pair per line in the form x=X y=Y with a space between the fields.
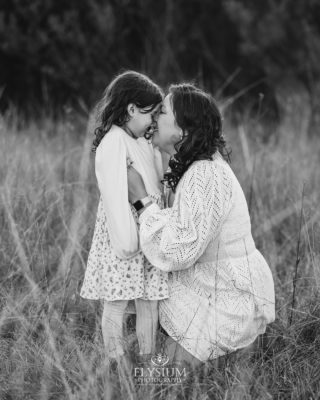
x=116 y=268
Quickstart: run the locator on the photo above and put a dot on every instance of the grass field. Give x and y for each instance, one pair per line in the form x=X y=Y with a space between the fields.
x=50 y=340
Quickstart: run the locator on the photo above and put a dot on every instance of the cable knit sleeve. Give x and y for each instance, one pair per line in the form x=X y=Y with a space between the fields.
x=111 y=173
x=173 y=239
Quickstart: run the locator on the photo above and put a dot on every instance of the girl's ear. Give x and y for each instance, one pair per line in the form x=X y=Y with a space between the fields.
x=131 y=109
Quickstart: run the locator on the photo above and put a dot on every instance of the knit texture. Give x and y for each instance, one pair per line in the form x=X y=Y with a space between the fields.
x=221 y=290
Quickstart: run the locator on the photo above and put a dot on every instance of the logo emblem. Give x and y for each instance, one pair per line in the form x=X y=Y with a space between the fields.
x=159 y=360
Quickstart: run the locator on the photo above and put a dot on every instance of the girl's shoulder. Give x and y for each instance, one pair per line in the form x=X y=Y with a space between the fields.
x=114 y=135
x=116 y=131
x=145 y=145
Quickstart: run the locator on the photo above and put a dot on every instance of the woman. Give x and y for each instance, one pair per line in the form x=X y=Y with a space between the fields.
x=221 y=290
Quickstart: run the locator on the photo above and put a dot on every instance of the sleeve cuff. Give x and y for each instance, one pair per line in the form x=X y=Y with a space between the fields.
x=153 y=208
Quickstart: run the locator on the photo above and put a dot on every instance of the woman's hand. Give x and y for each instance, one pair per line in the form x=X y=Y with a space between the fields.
x=171 y=197
x=136 y=188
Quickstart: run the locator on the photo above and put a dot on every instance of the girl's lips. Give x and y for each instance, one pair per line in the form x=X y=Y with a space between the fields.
x=151 y=130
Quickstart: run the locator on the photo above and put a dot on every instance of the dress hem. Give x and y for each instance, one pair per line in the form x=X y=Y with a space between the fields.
x=131 y=298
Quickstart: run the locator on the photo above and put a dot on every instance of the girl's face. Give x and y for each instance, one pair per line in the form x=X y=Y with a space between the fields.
x=140 y=119
x=169 y=133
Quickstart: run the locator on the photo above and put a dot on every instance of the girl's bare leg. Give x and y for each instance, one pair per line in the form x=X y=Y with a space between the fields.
x=146 y=325
x=114 y=342
x=112 y=327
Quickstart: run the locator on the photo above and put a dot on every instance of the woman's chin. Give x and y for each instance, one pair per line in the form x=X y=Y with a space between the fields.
x=155 y=139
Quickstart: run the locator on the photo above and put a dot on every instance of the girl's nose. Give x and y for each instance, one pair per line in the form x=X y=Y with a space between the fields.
x=155 y=115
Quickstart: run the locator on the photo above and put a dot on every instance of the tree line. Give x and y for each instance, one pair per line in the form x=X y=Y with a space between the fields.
x=54 y=52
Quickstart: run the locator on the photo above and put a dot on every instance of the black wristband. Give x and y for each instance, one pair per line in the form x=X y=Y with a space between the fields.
x=139 y=204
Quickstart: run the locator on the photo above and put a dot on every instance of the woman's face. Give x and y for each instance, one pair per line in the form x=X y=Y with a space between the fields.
x=169 y=133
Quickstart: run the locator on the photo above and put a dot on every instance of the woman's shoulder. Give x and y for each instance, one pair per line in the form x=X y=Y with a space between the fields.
x=206 y=172
x=205 y=168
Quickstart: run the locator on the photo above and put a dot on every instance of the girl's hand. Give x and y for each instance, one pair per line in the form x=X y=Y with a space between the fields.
x=136 y=188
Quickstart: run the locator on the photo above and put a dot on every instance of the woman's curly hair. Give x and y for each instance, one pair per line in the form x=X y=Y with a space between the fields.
x=128 y=87
x=197 y=114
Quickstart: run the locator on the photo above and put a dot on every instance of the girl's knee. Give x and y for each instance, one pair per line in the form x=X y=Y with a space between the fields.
x=147 y=315
x=113 y=311
x=147 y=308
x=115 y=306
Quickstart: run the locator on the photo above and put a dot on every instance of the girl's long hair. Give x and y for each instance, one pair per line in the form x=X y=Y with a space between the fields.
x=128 y=87
x=197 y=114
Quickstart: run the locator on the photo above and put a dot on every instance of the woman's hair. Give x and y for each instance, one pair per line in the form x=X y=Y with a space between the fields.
x=128 y=87
x=197 y=114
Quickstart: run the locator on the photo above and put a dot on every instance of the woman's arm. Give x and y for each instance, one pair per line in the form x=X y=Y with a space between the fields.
x=174 y=238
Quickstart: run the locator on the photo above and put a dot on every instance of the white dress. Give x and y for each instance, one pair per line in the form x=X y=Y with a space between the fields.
x=116 y=267
x=221 y=290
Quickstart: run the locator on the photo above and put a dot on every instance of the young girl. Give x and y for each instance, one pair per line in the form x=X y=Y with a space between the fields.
x=117 y=270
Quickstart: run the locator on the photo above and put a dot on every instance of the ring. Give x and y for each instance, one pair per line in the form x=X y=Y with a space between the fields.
x=129 y=162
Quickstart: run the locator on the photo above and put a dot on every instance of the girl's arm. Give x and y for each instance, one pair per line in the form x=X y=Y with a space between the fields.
x=165 y=160
x=111 y=173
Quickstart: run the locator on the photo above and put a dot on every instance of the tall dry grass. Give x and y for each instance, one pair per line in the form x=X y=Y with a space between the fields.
x=50 y=339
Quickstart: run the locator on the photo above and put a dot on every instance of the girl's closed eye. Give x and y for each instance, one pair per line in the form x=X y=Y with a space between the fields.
x=156 y=114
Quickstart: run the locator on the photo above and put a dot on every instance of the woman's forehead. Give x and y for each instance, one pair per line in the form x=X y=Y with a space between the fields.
x=167 y=100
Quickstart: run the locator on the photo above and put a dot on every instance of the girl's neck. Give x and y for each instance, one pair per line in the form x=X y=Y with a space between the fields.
x=129 y=132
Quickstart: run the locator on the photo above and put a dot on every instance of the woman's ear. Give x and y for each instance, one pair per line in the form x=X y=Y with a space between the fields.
x=176 y=137
x=131 y=109
x=180 y=135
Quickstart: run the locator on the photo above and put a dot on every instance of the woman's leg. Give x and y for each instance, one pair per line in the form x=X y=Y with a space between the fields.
x=146 y=325
x=177 y=353
x=112 y=327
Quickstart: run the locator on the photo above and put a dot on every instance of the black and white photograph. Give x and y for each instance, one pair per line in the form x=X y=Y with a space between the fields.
x=159 y=200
